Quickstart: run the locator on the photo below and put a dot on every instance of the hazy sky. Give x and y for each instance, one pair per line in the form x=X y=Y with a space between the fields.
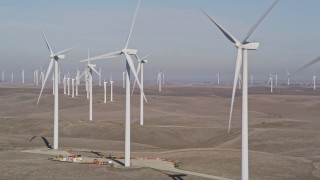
x=185 y=44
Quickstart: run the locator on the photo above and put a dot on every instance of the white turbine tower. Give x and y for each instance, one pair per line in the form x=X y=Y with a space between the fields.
x=314 y=80
x=100 y=77
x=276 y=77
x=54 y=58
x=141 y=63
x=288 y=77
x=22 y=75
x=159 y=80
x=34 y=76
x=129 y=67
x=218 y=78
x=3 y=76
x=270 y=81
x=37 y=77
x=88 y=69
x=64 y=81
x=77 y=82
x=111 y=89
x=105 y=90
x=68 y=85
x=251 y=79
x=72 y=83
x=242 y=59
x=12 y=74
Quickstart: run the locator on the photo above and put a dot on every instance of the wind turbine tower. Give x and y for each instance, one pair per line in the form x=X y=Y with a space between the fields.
x=242 y=59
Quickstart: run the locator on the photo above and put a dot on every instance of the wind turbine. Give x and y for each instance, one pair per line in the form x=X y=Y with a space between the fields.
x=129 y=67
x=3 y=76
x=64 y=81
x=100 y=77
x=12 y=74
x=68 y=85
x=162 y=77
x=242 y=59
x=37 y=77
x=72 y=83
x=111 y=89
x=54 y=58
x=140 y=66
x=77 y=81
x=288 y=77
x=314 y=80
x=218 y=78
x=88 y=69
x=270 y=81
x=276 y=77
x=159 y=81
x=22 y=75
x=105 y=90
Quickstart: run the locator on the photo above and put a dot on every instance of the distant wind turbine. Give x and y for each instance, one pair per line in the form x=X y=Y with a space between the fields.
x=159 y=80
x=22 y=75
x=270 y=81
x=111 y=89
x=105 y=90
x=89 y=69
x=314 y=81
x=100 y=77
x=242 y=59
x=64 y=81
x=12 y=74
x=3 y=76
x=288 y=77
x=141 y=63
x=218 y=78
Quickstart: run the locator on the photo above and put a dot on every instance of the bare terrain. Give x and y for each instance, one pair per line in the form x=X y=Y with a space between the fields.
x=184 y=122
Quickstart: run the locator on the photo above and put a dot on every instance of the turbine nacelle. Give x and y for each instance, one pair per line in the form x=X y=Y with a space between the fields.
x=248 y=45
x=143 y=61
x=59 y=57
x=130 y=51
x=92 y=65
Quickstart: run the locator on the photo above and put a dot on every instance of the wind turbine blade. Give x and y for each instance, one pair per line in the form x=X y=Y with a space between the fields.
x=45 y=79
x=236 y=76
x=83 y=72
x=64 y=51
x=103 y=56
x=47 y=43
x=130 y=62
x=269 y=81
x=254 y=27
x=222 y=29
x=94 y=69
x=134 y=20
x=134 y=84
x=305 y=66
x=145 y=57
